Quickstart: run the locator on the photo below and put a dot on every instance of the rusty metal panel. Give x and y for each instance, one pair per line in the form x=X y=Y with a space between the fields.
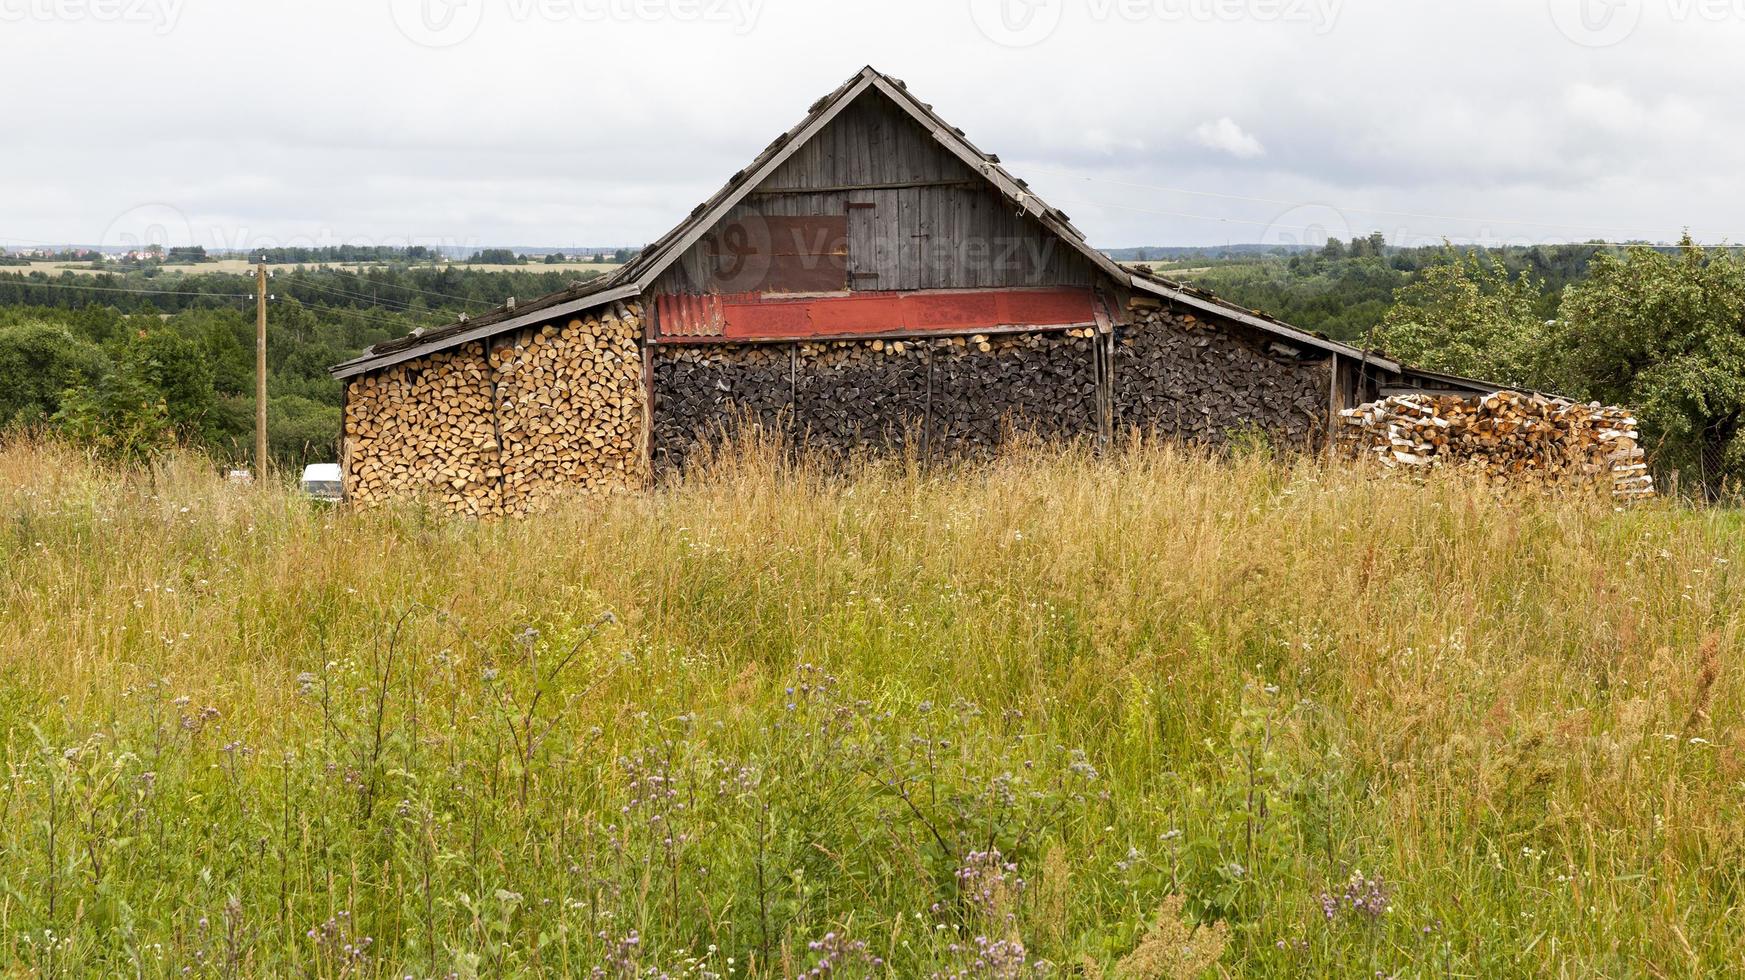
x=759 y=253
x=682 y=315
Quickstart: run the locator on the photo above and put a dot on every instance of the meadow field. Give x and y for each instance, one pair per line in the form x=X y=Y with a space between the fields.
x=1150 y=715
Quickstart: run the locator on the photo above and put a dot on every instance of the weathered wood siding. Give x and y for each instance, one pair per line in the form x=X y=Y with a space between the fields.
x=942 y=228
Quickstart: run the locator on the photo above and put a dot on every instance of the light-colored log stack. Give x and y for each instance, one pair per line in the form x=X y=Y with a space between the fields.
x=554 y=410
x=1508 y=436
x=423 y=430
x=570 y=408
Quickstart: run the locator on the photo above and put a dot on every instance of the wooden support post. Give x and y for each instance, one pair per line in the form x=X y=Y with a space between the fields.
x=260 y=371
x=1334 y=404
x=344 y=441
x=648 y=406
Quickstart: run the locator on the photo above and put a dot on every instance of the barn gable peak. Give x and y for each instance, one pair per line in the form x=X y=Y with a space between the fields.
x=869 y=82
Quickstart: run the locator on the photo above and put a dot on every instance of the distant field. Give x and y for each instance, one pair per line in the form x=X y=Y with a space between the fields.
x=960 y=724
x=243 y=266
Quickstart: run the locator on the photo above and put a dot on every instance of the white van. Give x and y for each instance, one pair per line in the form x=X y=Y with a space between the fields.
x=323 y=481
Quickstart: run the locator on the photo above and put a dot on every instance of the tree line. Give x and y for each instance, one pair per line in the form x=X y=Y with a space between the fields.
x=132 y=363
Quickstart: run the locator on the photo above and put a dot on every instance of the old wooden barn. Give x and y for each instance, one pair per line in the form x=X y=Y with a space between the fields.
x=871 y=281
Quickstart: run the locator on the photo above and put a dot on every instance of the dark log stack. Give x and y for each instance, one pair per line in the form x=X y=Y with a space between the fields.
x=861 y=397
x=986 y=387
x=944 y=398
x=700 y=393
x=1184 y=379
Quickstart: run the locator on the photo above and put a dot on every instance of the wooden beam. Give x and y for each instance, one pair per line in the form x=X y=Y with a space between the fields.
x=901 y=185
x=911 y=336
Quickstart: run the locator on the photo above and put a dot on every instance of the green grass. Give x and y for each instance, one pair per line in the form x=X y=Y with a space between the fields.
x=242 y=733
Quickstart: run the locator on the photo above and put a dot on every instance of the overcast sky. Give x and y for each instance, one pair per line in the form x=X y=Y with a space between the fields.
x=593 y=122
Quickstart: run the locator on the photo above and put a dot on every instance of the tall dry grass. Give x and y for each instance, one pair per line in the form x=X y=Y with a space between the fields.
x=906 y=721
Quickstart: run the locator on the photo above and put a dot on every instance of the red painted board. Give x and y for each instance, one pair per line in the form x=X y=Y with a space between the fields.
x=758 y=316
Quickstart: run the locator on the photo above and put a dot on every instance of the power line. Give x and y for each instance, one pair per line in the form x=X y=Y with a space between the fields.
x=1313 y=228
x=411 y=289
x=32 y=284
x=346 y=294
x=376 y=318
x=1336 y=207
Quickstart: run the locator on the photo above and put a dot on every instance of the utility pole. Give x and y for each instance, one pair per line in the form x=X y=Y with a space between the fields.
x=260 y=371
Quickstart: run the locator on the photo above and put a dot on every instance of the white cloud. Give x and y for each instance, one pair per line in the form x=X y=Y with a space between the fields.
x=546 y=126
x=1226 y=136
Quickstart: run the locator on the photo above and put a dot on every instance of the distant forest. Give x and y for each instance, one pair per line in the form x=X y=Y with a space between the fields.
x=1345 y=288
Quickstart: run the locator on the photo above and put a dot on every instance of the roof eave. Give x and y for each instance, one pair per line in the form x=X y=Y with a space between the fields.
x=1176 y=294
x=375 y=362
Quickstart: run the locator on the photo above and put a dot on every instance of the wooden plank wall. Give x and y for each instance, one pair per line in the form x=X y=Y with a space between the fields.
x=922 y=220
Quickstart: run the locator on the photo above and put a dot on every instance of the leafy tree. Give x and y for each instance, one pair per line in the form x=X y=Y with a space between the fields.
x=303 y=431
x=1665 y=334
x=1468 y=316
x=120 y=415
x=38 y=362
x=177 y=372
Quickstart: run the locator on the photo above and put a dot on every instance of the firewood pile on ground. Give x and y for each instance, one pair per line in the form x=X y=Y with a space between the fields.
x=1508 y=436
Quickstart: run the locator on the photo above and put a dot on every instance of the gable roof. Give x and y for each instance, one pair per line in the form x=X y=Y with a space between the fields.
x=636 y=276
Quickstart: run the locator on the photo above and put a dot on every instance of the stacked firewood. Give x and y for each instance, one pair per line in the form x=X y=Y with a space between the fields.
x=946 y=397
x=1179 y=377
x=570 y=408
x=702 y=392
x=424 y=430
x=553 y=410
x=1508 y=436
x=984 y=387
x=862 y=396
